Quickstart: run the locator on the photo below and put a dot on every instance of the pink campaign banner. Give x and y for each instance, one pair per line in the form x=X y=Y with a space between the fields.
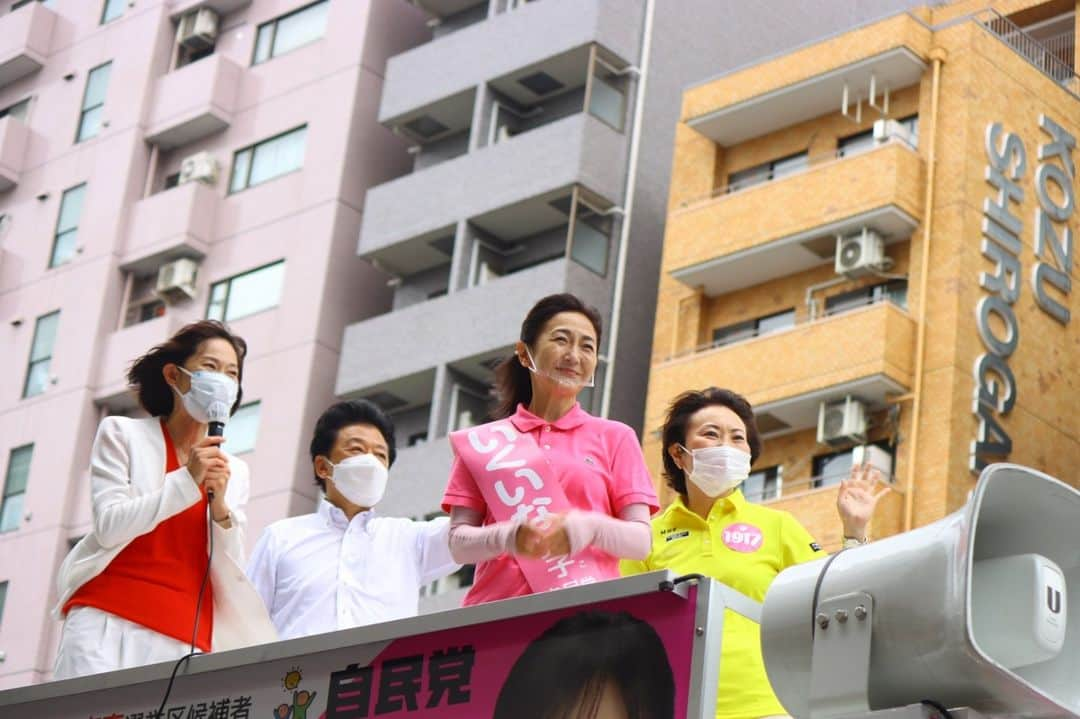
x=626 y=655
x=633 y=652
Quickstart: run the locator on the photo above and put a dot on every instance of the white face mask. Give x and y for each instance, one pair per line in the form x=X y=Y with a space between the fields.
x=718 y=470
x=211 y=396
x=361 y=479
x=558 y=378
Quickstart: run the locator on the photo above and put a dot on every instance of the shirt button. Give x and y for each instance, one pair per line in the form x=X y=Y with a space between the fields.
x=547 y=446
x=547 y=428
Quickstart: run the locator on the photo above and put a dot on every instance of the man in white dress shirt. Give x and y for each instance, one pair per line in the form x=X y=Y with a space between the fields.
x=345 y=566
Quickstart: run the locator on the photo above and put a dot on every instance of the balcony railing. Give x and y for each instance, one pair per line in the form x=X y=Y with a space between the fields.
x=1049 y=57
x=820 y=159
x=752 y=334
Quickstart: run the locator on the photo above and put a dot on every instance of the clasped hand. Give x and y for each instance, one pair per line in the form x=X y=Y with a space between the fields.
x=545 y=537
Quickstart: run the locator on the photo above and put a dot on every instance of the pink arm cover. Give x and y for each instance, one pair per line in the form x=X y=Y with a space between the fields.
x=471 y=543
x=628 y=537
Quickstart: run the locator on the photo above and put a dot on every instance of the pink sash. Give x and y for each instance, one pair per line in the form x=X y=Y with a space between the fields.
x=509 y=469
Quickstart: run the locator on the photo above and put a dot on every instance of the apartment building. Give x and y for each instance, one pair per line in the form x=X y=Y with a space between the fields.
x=161 y=162
x=541 y=135
x=871 y=238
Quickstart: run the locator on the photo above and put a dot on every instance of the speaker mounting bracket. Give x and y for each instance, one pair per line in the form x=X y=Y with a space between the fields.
x=840 y=669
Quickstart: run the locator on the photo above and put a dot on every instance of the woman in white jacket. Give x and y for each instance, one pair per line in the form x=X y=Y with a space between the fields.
x=150 y=579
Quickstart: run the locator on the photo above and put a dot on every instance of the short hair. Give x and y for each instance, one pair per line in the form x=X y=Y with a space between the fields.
x=563 y=673
x=145 y=377
x=513 y=385
x=345 y=414
x=678 y=417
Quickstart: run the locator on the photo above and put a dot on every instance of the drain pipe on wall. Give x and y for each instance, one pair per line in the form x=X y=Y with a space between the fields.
x=937 y=56
x=628 y=205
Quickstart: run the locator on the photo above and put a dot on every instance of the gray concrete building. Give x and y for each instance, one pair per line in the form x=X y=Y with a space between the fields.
x=542 y=134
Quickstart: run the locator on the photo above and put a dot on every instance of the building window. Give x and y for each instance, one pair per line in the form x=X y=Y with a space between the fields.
x=766 y=171
x=3 y=598
x=67 y=225
x=112 y=10
x=269 y=159
x=830 y=469
x=242 y=429
x=606 y=92
x=590 y=234
x=23 y=3
x=762 y=484
x=291 y=31
x=854 y=144
x=246 y=294
x=18 y=111
x=753 y=328
x=894 y=291
x=18 y=471
x=37 y=372
x=93 y=105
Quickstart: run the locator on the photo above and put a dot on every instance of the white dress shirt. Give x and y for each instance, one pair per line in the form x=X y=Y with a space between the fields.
x=320 y=572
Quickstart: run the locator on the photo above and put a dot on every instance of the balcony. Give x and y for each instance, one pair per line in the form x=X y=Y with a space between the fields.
x=575 y=150
x=121 y=348
x=866 y=353
x=503 y=44
x=14 y=138
x=223 y=7
x=371 y=357
x=193 y=102
x=881 y=189
x=175 y=223
x=810 y=82
x=25 y=36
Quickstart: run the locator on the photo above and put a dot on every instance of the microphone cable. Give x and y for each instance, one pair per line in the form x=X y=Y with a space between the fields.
x=198 y=607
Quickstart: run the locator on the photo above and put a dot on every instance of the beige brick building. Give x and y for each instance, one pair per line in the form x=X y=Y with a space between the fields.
x=935 y=149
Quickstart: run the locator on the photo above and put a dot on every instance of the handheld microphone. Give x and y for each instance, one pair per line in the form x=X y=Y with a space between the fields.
x=219 y=413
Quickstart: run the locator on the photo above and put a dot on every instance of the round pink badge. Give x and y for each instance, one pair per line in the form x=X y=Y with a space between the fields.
x=744 y=538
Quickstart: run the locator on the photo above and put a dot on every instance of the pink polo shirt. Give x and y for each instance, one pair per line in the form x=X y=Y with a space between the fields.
x=598 y=463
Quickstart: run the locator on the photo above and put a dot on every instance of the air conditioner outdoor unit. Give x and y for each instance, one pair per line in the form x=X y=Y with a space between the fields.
x=198 y=29
x=885 y=130
x=841 y=422
x=202 y=166
x=176 y=280
x=859 y=254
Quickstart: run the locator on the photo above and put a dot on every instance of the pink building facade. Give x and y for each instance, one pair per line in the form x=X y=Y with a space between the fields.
x=162 y=161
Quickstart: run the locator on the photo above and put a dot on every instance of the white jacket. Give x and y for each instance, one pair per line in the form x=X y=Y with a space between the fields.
x=130 y=495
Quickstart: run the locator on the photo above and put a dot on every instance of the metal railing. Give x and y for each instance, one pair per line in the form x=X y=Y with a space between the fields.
x=1050 y=58
x=756 y=332
x=813 y=162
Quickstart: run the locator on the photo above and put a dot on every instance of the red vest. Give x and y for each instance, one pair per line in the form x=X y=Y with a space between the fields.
x=154 y=581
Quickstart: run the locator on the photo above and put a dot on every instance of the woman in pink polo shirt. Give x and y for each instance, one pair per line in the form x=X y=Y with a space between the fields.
x=547 y=496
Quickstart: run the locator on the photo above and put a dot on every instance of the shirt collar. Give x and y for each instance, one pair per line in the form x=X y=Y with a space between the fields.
x=336 y=518
x=730 y=504
x=526 y=421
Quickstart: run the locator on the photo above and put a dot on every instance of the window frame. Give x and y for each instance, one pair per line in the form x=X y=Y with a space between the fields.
x=753 y=325
x=228 y=282
x=847 y=299
x=258 y=420
x=768 y=171
x=817 y=480
x=105 y=5
x=6 y=494
x=85 y=110
x=250 y=150
x=774 y=474
x=31 y=363
x=54 y=261
x=273 y=27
